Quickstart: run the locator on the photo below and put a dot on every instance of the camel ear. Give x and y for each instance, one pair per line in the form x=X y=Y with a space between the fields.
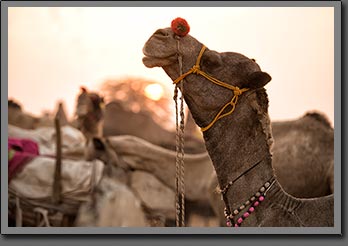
x=83 y=89
x=258 y=79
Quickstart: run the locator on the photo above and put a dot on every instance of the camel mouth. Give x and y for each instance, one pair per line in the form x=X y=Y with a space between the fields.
x=154 y=57
x=153 y=61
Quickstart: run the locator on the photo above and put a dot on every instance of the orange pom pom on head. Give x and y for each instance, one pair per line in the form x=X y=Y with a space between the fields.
x=180 y=27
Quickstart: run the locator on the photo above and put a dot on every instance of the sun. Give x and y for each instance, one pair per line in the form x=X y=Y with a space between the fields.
x=154 y=91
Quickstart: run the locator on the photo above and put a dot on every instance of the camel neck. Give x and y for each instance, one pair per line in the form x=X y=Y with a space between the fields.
x=239 y=144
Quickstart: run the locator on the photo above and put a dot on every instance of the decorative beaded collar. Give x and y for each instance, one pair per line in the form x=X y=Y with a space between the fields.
x=248 y=207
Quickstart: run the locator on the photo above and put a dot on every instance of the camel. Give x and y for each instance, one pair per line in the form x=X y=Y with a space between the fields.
x=160 y=162
x=143 y=126
x=310 y=141
x=22 y=119
x=238 y=139
x=90 y=113
x=17 y=117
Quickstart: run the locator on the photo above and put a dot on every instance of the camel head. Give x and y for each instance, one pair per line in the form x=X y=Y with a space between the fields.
x=203 y=97
x=88 y=102
x=90 y=113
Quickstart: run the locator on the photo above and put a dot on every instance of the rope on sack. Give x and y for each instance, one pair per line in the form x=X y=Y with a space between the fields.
x=44 y=213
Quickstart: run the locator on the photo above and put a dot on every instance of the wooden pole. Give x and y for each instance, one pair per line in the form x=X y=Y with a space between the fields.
x=57 y=185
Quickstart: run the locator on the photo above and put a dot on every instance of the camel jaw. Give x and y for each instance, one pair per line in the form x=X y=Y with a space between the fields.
x=153 y=61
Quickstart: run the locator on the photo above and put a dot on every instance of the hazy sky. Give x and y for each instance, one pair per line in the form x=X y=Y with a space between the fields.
x=53 y=51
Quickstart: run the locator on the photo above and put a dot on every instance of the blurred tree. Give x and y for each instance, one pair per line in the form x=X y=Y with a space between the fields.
x=141 y=95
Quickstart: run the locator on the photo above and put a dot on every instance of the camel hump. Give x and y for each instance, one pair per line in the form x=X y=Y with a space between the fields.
x=320 y=117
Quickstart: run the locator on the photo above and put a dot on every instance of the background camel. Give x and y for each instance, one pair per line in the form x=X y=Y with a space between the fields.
x=22 y=119
x=239 y=142
x=305 y=146
x=142 y=125
x=19 y=118
x=90 y=113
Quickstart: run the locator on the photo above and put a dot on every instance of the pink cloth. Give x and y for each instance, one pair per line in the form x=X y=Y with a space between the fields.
x=25 y=151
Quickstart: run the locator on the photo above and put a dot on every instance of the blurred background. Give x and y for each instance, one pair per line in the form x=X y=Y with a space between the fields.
x=55 y=50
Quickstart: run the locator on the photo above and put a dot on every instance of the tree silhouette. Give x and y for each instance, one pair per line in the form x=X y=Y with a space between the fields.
x=129 y=92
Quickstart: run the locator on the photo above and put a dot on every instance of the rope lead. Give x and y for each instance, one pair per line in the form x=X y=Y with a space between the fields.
x=179 y=162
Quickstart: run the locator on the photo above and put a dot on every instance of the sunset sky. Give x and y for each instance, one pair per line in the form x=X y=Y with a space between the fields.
x=53 y=51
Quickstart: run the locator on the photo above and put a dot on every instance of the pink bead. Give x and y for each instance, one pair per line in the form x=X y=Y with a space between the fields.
x=236 y=225
x=240 y=220
x=256 y=204
x=246 y=214
x=228 y=223
x=261 y=198
x=251 y=209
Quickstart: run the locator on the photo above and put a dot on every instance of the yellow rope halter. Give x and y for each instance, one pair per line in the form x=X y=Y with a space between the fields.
x=237 y=91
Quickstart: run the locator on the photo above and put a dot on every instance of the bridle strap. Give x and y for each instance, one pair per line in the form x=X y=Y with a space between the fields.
x=230 y=183
x=237 y=91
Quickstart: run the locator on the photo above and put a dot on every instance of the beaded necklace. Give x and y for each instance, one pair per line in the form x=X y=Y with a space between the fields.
x=248 y=206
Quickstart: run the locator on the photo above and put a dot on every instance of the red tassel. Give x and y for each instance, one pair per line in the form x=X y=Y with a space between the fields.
x=180 y=27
